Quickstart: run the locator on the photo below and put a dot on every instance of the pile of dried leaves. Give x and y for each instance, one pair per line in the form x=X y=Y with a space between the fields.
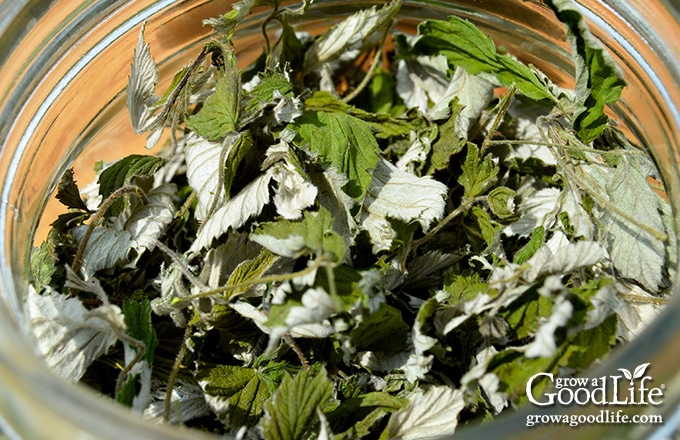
x=343 y=240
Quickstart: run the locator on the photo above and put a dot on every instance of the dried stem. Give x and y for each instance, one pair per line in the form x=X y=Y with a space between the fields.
x=502 y=110
x=319 y=262
x=141 y=351
x=584 y=149
x=181 y=265
x=132 y=189
x=369 y=74
x=174 y=372
x=291 y=343
x=584 y=185
x=455 y=213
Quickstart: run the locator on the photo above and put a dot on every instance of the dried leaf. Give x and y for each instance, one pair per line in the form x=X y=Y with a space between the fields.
x=147 y=222
x=354 y=34
x=598 y=80
x=248 y=203
x=342 y=141
x=294 y=193
x=636 y=253
x=428 y=415
x=292 y=413
x=141 y=86
x=205 y=161
x=403 y=196
x=69 y=336
x=105 y=248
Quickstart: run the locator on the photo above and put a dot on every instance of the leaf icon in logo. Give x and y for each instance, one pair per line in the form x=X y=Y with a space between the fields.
x=627 y=374
x=640 y=371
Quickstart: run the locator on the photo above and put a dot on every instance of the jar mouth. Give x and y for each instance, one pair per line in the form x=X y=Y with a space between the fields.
x=46 y=70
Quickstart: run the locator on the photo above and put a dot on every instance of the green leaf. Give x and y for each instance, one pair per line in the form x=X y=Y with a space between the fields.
x=129 y=391
x=251 y=269
x=345 y=280
x=243 y=390
x=502 y=202
x=43 y=265
x=328 y=102
x=263 y=93
x=69 y=220
x=465 y=287
x=68 y=193
x=224 y=380
x=176 y=80
x=363 y=412
x=248 y=404
x=237 y=153
x=577 y=352
x=288 y=49
x=477 y=174
x=386 y=126
x=122 y=173
x=139 y=326
x=382 y=92
x=227 y=23
x=383 y=124
x=292 y=413
x=466 y=46
x=526 y=314
x=340 y=140
x=448 y=143
x=294 y=238
x=376 y=398
x=383 y=330
x=487 y=227
x=598 y=80
x=588 y=346
x=220 y=112
x=528 y=250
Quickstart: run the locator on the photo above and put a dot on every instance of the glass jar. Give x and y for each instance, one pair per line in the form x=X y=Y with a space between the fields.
x=63 y=71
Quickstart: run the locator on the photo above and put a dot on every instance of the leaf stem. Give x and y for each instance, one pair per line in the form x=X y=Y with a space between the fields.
x=584 y=149
x=263 y=27
x=141 y=350
x=333 y=291
x=291 y=343
x=170 y=102
x=175 y=371
x=502 y=110
x=453 y=214
x=97 y=218
x=369 y=74
x=181 y=265
x=603 y=202
x=187 y=205
x=319 y=262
